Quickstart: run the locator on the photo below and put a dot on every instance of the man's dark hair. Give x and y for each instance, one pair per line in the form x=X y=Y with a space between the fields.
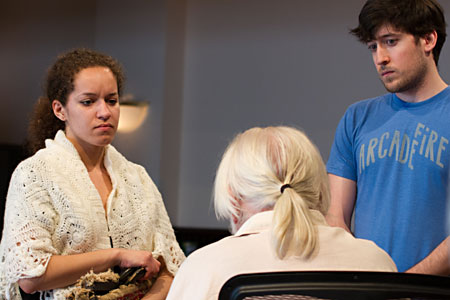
x=417 y=17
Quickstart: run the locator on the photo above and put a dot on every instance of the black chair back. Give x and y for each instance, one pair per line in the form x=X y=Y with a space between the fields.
x=335 y=285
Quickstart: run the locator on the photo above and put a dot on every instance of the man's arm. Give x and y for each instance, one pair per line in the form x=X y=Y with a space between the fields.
x=436 y=263
x=343 y=196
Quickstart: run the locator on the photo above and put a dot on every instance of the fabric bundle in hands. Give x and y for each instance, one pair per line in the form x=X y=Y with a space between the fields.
x=110 y=285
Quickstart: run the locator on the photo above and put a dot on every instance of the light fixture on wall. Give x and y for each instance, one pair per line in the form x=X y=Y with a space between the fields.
x=132 y=114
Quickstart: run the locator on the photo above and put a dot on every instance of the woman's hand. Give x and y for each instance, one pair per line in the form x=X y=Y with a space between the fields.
x=137 y=258
x=64 y=270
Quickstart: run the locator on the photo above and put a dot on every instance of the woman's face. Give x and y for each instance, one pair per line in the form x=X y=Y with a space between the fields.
x=91 y=113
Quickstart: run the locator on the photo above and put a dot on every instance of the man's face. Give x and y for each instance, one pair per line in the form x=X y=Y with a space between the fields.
x=400 y=59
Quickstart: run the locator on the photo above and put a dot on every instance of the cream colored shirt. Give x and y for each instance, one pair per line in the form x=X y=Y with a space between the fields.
x=204 y=272
x=53 y=208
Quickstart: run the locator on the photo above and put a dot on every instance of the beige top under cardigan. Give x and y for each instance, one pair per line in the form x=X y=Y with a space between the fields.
x=250 y=250
x=53 y=208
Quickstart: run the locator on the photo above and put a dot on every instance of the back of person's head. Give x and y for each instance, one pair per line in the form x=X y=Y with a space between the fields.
x=275 y=168
x=58 y=85
x=416 y=17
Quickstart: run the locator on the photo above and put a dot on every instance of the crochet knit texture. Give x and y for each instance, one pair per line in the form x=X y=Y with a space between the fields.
x=53 y=208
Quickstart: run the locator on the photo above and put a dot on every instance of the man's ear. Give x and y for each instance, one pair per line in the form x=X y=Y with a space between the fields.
x=430 y=40
x=58 y=110
x=238 y=205
x=234 y=219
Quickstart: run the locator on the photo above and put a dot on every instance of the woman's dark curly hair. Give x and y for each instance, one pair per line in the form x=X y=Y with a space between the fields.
x=59 y=84
x=416 y=17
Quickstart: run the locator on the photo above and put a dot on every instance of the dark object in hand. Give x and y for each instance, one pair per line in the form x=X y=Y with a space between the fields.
x=131 y=275
x=127 y=276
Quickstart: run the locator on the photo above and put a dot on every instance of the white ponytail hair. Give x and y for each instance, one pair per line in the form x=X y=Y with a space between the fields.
x=255 y=165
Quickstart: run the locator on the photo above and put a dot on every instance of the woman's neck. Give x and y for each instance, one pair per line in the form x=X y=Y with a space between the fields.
x=91 y=156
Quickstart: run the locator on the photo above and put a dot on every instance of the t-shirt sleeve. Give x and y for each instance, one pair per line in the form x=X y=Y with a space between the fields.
x=341 y=161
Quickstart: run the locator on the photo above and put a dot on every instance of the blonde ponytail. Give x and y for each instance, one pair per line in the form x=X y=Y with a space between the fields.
x=275 y=168
x=293 y=230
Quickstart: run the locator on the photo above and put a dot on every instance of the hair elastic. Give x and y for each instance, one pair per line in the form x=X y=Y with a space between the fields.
x=285 y=186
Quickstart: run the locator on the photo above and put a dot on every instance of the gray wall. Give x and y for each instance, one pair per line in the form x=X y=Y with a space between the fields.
x=31 y=34
x=209 y=68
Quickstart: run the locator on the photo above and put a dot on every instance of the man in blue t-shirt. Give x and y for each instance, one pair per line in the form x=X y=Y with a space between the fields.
x=389 y=162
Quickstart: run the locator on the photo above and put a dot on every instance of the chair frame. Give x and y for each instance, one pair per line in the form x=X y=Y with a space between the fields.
x=337 y=285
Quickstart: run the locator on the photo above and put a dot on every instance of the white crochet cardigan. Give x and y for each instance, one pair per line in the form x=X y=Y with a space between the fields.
x=53 y=207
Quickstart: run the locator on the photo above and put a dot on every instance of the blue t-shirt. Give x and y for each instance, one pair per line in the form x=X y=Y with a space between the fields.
x=398 y=155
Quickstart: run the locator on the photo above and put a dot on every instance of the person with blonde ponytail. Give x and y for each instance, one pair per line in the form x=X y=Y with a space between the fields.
x=272 y=186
